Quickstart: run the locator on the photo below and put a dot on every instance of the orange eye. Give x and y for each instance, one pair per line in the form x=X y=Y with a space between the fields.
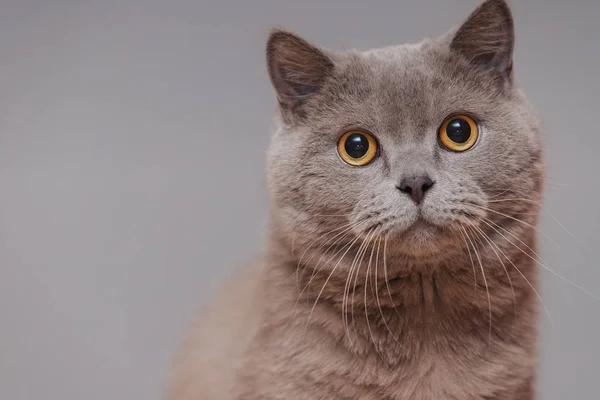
x=357 y=148
x=459 y=133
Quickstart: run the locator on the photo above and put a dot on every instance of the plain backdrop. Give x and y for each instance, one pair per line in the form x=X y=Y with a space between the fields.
x=132 y=136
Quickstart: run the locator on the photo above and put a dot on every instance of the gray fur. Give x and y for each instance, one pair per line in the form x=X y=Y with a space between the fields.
x=415 y=302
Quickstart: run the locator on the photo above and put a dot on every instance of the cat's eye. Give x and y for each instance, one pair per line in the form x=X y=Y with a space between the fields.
x=459 y=133
x=357 y=148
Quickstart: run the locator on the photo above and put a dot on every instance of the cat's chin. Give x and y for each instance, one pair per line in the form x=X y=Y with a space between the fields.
x=422 y=232
x=423 y=239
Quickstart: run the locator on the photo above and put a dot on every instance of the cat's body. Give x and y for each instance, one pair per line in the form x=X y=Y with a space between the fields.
x=374 y=286
x=254 y=343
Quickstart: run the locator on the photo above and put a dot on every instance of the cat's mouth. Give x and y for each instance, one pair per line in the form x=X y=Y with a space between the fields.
x=417 y=233
x=423 y=231
x=417 y=224
x=423 y=239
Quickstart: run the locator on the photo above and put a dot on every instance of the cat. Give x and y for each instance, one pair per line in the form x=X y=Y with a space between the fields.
x=401 y=256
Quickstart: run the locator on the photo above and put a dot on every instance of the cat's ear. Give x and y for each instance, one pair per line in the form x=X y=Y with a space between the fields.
x=297 y=68
x=486 y=39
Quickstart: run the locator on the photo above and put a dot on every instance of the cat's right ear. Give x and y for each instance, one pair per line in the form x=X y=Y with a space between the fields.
x=297 y=69
x=487 y=38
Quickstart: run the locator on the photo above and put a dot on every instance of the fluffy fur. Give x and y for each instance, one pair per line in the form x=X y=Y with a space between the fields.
x=362 y=294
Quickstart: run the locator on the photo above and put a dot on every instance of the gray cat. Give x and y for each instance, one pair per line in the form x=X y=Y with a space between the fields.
x=401 y=257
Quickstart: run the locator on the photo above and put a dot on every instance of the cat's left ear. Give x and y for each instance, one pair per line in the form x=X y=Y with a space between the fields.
x=487 y=38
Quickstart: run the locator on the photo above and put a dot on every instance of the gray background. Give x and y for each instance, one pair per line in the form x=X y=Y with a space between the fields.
x=132 y=136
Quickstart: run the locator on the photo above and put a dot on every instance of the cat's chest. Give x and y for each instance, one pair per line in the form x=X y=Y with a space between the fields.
x=429 y=378
x=323 y=369
x=452 y=370
x=456 y=371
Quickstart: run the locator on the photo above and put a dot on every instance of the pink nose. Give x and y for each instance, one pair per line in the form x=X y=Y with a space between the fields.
x=416 y=187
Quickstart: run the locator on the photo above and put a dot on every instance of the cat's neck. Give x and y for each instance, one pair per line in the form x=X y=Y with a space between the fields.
x=436 y=299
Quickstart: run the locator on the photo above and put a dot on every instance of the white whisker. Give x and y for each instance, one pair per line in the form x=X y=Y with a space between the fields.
x=377 y=295
x=341 y=235
x=385 y=276
x=471 y=258
x=541 y=207
x=490 y=242
x=361 y=253
x=523 y=275
x=487 y=289
x=329 y=277
x=366 y=308
x=542 y=264
x=518 y=220
x=310 y=246
x=316 y=269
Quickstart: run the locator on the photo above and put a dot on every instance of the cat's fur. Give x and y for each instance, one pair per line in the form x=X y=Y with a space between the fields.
x=413 y=302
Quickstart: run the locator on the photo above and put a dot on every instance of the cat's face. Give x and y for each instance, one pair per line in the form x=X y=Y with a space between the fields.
x=416 y=143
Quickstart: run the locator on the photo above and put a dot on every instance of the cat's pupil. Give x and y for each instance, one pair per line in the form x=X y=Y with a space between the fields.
x=356 y=145
x=458 y=130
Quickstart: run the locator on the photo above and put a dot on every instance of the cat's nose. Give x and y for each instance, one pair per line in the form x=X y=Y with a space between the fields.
x=416 y=187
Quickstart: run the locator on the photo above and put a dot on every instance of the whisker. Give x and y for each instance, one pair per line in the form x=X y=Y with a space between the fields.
x=366 y=308
x=541 y=207
x=346 y=293
x=487 y=289
x=329 y=277
x=340 y=235
x=512 y=288
x=358 y=265
x=501 y=192
x=519 y=221
x=471 y=258
x=387 y=281
x=316 y=269
x=310 y=246
x=540 y=263
x=520 y=273
x=377 y=294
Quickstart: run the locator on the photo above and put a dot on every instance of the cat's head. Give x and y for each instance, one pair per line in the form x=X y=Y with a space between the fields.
x=416 y=143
